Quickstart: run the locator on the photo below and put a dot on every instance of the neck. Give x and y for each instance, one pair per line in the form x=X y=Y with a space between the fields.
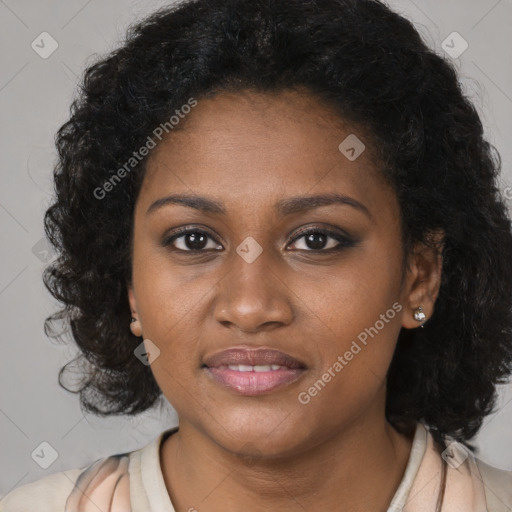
x=358 y=468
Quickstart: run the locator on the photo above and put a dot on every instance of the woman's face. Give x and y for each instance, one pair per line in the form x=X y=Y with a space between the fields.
x=255 y=281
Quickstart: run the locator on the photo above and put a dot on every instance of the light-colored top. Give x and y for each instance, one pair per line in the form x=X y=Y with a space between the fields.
x=133 y=482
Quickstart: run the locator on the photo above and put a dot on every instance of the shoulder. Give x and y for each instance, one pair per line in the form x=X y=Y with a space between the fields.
x=498 y=487
x=46 y=494
x=103 y=482
x=109 y=484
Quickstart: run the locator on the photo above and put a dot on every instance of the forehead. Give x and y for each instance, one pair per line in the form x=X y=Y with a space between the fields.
x=256 y=148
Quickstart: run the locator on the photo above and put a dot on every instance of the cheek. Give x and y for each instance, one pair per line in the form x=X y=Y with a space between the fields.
x=358 y=314
x=167 y=296
x=354 y=361
x=367 y=309
x=354 y=296
x=168 y=311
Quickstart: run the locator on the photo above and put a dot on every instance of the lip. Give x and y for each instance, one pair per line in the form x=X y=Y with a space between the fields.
x=251 y=383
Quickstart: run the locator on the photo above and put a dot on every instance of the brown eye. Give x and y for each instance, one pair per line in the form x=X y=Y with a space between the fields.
x=323 y=240
x=190 y=240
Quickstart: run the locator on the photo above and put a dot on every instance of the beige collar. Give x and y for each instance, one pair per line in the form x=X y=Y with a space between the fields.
x=464 y=488
x=134 y=482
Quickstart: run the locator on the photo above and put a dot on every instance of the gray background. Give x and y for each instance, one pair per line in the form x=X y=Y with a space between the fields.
x=35 y=94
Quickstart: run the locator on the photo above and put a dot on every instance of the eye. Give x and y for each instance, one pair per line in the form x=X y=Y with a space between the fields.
x=317 y=239
x=191 y=240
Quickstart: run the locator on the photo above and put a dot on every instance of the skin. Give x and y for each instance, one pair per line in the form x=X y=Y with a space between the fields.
x=337 y=452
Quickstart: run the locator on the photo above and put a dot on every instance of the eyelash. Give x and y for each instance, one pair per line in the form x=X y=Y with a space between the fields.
x=343 y=241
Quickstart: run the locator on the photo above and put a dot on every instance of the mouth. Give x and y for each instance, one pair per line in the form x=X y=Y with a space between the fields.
x=251 y=372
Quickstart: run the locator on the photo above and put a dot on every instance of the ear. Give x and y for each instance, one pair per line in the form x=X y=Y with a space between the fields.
x=135 y=325
x=132 y=300
x=423 y=279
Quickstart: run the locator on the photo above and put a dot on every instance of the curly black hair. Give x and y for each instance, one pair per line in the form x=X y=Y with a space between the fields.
x=371 y=66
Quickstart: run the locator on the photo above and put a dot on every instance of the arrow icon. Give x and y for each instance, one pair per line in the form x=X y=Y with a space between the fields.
x=145 y=350
x=454 y=45
x=44 y=45
x=249 y=249
x=44 y=455
x=351 y=147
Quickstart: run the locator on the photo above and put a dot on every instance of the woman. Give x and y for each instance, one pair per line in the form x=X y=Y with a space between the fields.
x=283 y=217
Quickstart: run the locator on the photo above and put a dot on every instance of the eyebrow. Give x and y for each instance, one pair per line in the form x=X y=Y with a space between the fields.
x=284 y=207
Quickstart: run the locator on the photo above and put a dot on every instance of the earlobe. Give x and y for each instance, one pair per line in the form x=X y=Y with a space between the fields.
x=135 y=327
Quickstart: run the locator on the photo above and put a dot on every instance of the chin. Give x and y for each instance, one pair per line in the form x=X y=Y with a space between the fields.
x=248 y=435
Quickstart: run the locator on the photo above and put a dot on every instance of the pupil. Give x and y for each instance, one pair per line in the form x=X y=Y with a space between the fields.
x=317 y=240
x=195 y=241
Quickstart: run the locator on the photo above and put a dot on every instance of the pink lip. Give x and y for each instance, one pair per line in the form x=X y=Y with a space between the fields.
x=255 y=383
x=252 y=383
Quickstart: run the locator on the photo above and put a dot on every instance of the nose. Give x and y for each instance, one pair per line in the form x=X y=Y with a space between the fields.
x=252 y=297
